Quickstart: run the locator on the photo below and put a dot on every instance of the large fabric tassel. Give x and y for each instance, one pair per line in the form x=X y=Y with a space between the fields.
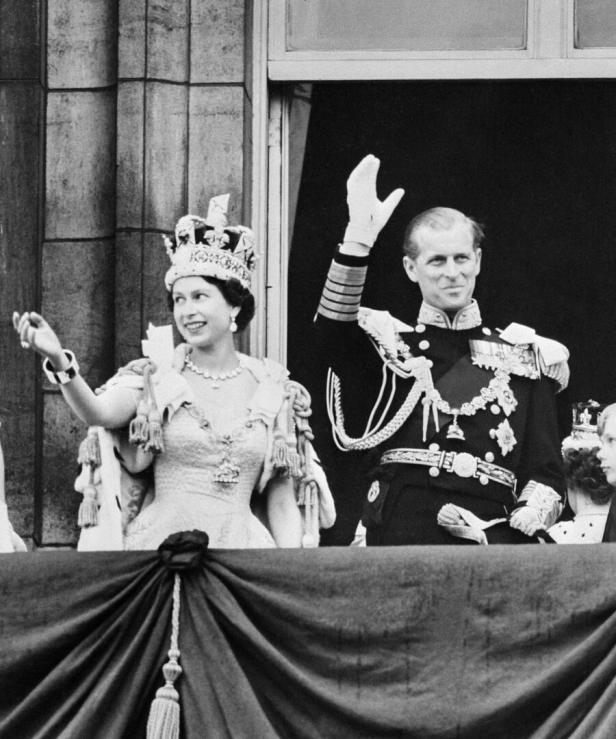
x=146 y=427
x=164 y=718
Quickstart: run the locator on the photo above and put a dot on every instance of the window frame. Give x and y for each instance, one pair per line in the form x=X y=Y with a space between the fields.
x=550 y=53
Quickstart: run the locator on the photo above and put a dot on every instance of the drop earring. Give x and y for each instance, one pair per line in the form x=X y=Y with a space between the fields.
x=233 y=325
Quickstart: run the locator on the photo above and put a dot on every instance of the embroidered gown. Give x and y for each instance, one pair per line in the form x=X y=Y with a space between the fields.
x=221 y=449
x=191 y=488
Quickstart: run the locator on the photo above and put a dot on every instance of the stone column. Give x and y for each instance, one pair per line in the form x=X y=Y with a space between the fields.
x=21 y=119
x=77 y=265
x=181 y=121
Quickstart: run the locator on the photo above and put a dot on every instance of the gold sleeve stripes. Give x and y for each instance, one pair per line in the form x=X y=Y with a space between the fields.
x=342 y=292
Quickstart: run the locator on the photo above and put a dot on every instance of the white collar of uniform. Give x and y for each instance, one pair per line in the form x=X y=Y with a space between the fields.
x=465 y=318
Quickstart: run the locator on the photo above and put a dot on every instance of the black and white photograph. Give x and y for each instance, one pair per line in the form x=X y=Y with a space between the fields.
x=335 y=278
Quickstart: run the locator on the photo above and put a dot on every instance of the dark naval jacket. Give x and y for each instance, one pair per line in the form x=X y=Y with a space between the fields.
x=452 y=411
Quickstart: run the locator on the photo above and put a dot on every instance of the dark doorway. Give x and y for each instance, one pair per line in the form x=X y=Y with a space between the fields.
x=535 y=161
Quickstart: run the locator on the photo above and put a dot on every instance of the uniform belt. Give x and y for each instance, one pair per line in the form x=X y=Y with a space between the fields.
x=461 y=464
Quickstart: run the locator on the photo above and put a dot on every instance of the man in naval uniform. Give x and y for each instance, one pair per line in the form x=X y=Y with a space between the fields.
x=461 y=421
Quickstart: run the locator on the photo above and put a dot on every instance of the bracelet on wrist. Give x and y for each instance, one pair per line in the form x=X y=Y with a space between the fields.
x=63 y=376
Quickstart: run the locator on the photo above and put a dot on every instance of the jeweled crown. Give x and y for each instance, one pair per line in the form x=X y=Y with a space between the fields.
x=209 y=247
x=584 y=425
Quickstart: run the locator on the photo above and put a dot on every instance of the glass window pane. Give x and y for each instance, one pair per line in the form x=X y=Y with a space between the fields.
x=406 y=25
x=595 y=24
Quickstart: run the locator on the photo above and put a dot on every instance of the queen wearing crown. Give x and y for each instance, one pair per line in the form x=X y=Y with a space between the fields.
x=589 y=494
x=198 y=436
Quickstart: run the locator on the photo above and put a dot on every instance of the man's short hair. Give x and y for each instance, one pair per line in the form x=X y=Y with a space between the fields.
x=608 y=411
x=438 y=219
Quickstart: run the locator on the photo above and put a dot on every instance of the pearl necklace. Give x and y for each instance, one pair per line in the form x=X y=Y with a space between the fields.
x=215 y=378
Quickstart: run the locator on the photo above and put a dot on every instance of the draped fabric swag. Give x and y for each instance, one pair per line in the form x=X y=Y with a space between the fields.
x=392 y=642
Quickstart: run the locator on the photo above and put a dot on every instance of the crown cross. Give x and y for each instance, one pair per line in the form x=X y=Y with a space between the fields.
x=585 y=417
x=217 y=237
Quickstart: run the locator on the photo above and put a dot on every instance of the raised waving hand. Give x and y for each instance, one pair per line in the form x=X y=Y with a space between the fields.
x=367 y=214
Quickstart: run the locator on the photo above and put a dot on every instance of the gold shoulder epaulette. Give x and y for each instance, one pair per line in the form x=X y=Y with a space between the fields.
x=384 y=331
x=552 y=356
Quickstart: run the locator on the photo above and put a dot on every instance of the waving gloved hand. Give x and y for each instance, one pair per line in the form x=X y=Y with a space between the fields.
x=367 y=214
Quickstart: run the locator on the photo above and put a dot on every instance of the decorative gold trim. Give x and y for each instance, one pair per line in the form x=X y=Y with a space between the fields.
x=461 y=464
x=466 y=318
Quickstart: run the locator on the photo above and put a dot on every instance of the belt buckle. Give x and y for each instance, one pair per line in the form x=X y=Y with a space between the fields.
x=464 y=465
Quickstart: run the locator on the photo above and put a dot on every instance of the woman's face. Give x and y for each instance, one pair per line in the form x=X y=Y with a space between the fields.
x=201 y=313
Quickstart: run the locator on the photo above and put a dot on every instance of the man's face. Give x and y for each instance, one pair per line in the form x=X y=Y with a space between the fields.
x=607 y=453
x=446 y=266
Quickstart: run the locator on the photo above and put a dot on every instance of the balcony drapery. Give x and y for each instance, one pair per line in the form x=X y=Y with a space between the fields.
x=392 y=642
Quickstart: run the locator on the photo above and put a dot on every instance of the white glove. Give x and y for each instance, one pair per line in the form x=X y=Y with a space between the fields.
x=367 y=214
x=526 y=520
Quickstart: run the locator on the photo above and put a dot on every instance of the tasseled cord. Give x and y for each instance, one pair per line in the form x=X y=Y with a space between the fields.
x=87 y=515
x=164 y=718
x=146 y=427
x=89 y=450
x=280 y=452
x=293 y=455
x=138 y=428
x=90 y=455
